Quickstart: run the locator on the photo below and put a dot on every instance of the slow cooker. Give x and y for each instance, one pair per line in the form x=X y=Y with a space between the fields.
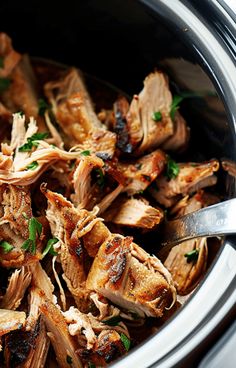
x=121 y=41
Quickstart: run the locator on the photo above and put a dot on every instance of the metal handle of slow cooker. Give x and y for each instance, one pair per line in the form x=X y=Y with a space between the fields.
x=215 y=220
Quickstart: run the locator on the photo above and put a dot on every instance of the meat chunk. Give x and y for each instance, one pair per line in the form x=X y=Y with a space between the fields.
x=15 y=209
x=187 y=261
x=11 y=320
x=121 y=108
x=179 y=140
x=24 y=166
x=100 y=342
x=21 y=347
x=146 y=133
x=63 y=343
x=141 y=173
x=68 y=225
x=191 y=177
x=133 y=212
x=131 y=278
x=10 y=57
x=18 y=283
x=230 y=167
x=74 y=112
x=82 y=180
x=22 y=92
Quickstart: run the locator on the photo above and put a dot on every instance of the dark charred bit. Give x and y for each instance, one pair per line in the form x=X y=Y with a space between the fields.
x=113 y=244
x=120 y=128
x=18 y=345
x=146 y=178
x=79 y=251
x=103 y=353
x=104 y=156
x=117 y=269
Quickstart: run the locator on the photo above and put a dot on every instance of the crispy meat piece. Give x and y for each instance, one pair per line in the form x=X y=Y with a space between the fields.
x=17 y=170
x=68 y=225
x=18 y=283
x=101 y=343
x=179 y=140
x=39 y=355
x=82 y=180
x=16 y=206
x=63 y=343
x=192 y=176
x=128 y=276
x=22 y=92
x=133 y=212
x=11 y=320
x=229 y=166
x=74 y=224
x=146 y=133
x=74 y=112
x=186 y=275
x=141 y=173
x=121 y=108
x=21 y=346
x=10 y=57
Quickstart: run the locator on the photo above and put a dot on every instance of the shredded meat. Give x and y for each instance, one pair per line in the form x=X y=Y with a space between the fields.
x=129 y=277
x=133 y=212
x=18 y=283
x=145 y=133
x=140 y=174
x=192 y=176
x=186 y=274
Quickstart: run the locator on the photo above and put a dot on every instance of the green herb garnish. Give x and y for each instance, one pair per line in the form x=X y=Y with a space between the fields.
x=32 y=141
x=192 y=256
x=100 y=177
x=125 y=341
x=42 y=106
x=68 y=359
x=7 y=247
x=157 y=116
x=49 y=247
x=32 y=166
x=35 y=229
x=1 y=62
x=113 y=321
x=91 y=365
x=172 y=169
x=85 y=153
x=4 y=84
x=175 y=105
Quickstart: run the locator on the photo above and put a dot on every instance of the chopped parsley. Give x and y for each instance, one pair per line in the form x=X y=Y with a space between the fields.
x=91 y=365
x=7 y=247
x=49 y=247
x=1 y=62
x=125 y=341
x=157 y=116
x=4 y=84
x=68 y=359
x=113 y=321
x=100 y=177
x=33 y=141
x=85 y=153
x=35 y=230
x=192 y=256
x=175 y=105
x=42 y=106
x=32 y=166
x=172 y=169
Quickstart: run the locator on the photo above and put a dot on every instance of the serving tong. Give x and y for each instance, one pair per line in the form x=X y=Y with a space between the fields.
x=216 y=220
